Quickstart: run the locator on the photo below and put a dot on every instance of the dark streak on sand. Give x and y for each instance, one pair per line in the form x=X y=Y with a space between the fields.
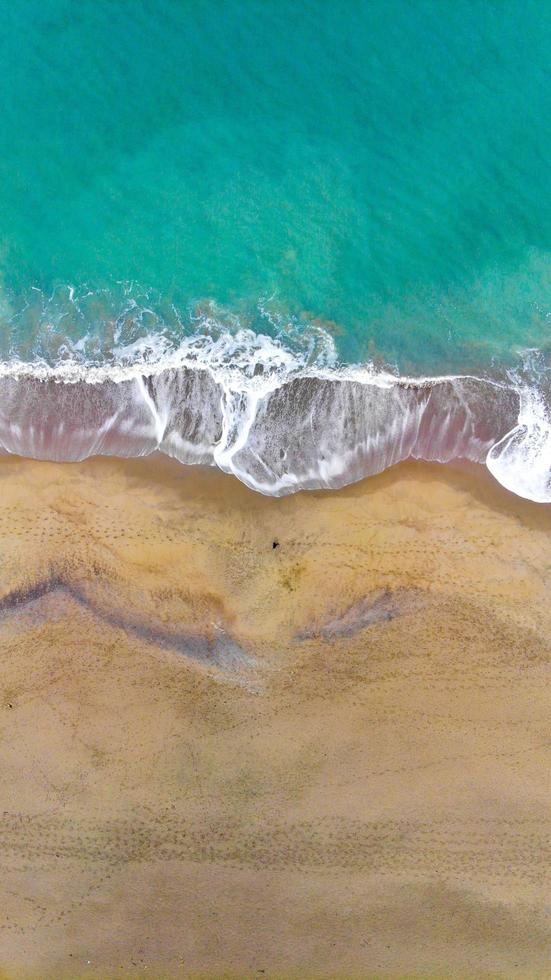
x=217 y=650
x=380 y=608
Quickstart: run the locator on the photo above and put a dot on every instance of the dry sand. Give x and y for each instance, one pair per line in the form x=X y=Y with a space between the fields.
x=328 y=758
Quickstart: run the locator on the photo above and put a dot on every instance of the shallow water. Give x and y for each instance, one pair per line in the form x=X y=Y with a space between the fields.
x=361 y=183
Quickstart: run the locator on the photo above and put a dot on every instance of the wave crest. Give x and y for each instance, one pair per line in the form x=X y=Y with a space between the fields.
x=121 y=371
x=247 y=404
x=521 y=460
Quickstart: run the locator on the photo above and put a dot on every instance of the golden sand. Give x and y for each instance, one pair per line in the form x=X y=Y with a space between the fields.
x=327 y=758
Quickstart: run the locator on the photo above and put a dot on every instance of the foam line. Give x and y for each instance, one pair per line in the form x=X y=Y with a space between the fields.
x=253 y=407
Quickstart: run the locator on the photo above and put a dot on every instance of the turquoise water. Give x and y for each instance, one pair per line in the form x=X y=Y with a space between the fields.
x=228 y=227
x=382 y=167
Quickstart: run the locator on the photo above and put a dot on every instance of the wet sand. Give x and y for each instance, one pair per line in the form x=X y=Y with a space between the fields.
x=324 y=758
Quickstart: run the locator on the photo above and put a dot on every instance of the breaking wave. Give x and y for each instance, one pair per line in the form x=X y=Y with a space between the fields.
x=278 y=411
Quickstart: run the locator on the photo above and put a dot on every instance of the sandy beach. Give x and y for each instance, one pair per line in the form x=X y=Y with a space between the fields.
x=250 y=737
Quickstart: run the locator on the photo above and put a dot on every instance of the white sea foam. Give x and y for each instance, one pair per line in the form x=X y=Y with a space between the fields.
x=521 y=460
x=279 y=419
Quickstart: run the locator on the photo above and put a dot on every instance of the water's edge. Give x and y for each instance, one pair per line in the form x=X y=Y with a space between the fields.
x=277 y=428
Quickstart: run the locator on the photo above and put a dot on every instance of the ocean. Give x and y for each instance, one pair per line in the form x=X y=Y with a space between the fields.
x=301 y=242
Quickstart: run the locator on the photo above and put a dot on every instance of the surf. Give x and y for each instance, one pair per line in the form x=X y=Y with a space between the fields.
x=253 y=407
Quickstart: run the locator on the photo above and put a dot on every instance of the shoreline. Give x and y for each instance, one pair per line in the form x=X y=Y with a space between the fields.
x=252 y=408
x=323 y=758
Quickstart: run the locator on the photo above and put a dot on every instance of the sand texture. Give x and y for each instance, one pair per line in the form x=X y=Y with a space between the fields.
x=246 y=737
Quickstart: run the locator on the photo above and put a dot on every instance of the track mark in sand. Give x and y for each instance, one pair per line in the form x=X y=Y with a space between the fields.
x=387 y=846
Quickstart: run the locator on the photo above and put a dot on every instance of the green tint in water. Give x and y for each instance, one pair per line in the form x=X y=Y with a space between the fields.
x=383 y=165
